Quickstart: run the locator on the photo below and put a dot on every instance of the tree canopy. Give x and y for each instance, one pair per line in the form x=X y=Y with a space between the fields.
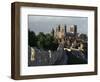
x=42 y=41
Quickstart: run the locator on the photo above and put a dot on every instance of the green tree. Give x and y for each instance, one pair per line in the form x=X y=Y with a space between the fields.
x=51 y=43
x=32 y=39
x=83 y=37
x=48 y=41
x=41 y=40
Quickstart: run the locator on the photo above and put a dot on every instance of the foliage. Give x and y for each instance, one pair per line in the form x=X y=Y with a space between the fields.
x=32 y=39
x=83 y=37
x=42 y=41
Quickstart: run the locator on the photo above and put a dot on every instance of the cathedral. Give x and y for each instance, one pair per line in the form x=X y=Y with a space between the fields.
x=61 y=33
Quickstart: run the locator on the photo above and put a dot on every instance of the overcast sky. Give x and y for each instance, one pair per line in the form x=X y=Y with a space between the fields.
x=46 y=23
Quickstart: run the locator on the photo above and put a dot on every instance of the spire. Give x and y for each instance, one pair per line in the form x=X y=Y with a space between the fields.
x=65 y=29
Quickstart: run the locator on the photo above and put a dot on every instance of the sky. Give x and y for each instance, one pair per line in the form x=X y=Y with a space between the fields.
x=46 y=23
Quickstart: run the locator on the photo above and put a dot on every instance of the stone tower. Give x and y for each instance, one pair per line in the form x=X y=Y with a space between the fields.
x=73 y=29
x=60 y=33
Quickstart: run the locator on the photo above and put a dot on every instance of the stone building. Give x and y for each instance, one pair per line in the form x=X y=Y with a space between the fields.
x=62 y=34
x=73 y=29
x=69 y=38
